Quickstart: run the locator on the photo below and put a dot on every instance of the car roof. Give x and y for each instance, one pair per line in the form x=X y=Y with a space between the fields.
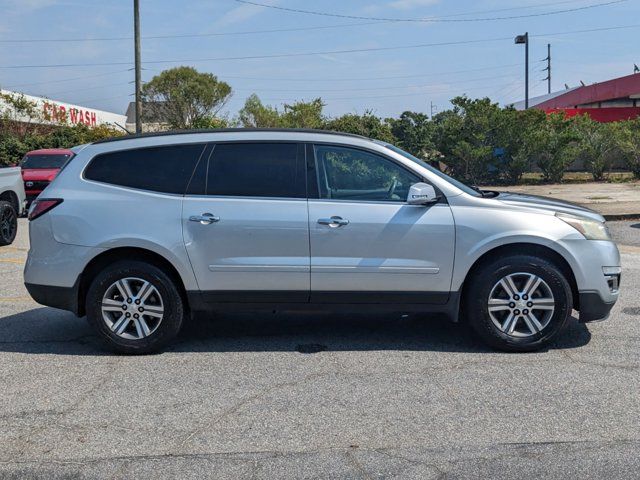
x=50 y=151
x=231 y=130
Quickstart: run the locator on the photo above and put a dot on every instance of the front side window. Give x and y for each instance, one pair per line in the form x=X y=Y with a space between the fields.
x=164 y=169
x=256 y=170
x=351 y=174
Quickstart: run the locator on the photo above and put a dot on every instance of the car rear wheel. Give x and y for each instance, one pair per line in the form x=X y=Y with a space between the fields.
x=518 y=303
x=135 y=307
x=8 y=223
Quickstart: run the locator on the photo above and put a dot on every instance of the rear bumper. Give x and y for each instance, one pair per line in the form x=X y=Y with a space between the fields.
x=593 y=307
x=64 y=298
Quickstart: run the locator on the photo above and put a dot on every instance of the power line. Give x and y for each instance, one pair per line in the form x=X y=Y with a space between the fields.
x=356 y=79
x=257 y=57
x=428 y=20
x=479 y=87
x=88 y=88
x=327 y=52
x=525 y=7
x=187 y=35
x=359 y=89
x=62 y=80
x=252 y=32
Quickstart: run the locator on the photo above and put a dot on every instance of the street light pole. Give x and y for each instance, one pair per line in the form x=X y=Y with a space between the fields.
x=138 y=69
x=520 y=40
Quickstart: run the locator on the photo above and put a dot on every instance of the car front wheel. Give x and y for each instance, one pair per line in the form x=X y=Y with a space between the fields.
x=135 y=307
x=518 y=303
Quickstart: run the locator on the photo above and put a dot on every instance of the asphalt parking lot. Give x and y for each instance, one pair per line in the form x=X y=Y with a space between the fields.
x=282 y=396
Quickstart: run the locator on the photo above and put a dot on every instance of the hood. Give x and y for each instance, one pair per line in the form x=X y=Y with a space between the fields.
x=39 y=174
x=548 y=204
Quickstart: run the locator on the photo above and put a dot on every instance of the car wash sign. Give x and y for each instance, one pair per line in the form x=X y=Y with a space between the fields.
x=52 y=112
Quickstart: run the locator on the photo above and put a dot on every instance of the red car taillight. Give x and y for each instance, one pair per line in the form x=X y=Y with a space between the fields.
x=42 y=206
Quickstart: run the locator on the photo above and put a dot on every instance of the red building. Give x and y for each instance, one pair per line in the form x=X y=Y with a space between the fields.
x=609 y=101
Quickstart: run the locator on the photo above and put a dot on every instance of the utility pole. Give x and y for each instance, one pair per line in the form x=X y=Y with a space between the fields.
x=433 y=108
x=524 y=40
x=548 y=69
x=138 y=68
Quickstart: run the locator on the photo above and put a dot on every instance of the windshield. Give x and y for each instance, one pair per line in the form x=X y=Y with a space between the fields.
x=44 y=161
x=435 y=171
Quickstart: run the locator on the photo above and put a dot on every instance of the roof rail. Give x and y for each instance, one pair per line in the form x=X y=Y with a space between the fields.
x=227 y=130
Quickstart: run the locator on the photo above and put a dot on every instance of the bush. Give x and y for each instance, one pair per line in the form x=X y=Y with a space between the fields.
x=597 y=144
x=13 y=146
x=630 y=145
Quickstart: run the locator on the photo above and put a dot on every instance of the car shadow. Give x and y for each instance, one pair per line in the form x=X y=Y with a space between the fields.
x=55 y=332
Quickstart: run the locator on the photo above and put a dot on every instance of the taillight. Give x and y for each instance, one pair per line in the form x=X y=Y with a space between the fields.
x=42 y=206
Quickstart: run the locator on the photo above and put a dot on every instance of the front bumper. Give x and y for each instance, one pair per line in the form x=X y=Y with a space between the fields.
x=593 y=307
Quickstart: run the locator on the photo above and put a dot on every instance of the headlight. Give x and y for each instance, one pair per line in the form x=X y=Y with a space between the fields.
x=591 y=229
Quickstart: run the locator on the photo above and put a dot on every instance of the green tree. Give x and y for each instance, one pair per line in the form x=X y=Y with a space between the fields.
x=415 y=134
x=550 y=146
x=466 y=138
x=186 y=95
x=367 y=125
x=597 y=144
x=255 y=114
x=630 y=145
x=515 y=137
x=304 y=114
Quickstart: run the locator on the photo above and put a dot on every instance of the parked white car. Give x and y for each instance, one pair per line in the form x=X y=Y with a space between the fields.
x=12 y=201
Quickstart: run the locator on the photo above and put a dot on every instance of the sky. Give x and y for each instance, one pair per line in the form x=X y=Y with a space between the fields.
x=448 y=56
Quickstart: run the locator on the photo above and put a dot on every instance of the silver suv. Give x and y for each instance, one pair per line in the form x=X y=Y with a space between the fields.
x=138 y=232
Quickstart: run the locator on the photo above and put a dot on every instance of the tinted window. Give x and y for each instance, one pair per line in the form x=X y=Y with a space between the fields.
x=44 y=161
x=256 y=170
x=350 y=174
x=159 y=169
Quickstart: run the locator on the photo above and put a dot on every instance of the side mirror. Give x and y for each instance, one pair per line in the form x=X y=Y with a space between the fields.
x=422 y=194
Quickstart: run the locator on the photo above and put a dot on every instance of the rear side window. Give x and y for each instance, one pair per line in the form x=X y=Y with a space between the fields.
x=159 y=169
x=256 y=170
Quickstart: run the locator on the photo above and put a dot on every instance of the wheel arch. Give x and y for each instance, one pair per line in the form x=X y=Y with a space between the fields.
x=108 y=257
x=11 y=197
x=520 y=248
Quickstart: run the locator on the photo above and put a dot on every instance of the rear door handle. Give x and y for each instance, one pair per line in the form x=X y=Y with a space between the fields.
x=205 y=218
x=333 y=222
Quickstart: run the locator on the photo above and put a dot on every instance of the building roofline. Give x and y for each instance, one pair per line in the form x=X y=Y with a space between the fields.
x=228 y=130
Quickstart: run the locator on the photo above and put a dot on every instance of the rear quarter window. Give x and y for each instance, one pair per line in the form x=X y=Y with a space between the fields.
x=165 y=169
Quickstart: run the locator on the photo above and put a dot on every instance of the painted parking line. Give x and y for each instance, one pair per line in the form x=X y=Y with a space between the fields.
x=17 y=261
x=22 y=298
x=13 y=249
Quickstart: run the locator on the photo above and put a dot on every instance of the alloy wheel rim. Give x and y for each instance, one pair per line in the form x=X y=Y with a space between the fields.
x=7 y=224
x=521 y=304
x=132 y=308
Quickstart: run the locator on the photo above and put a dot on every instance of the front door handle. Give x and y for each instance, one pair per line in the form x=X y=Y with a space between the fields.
x=205 y=218
x=333 y=222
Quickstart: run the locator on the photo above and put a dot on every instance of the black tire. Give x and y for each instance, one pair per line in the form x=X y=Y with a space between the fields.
x=8 y=223
x=481 y=284
x=168 y=327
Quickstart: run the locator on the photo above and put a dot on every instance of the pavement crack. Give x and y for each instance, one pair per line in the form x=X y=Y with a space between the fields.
x=246 y=400
x=357 y=465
